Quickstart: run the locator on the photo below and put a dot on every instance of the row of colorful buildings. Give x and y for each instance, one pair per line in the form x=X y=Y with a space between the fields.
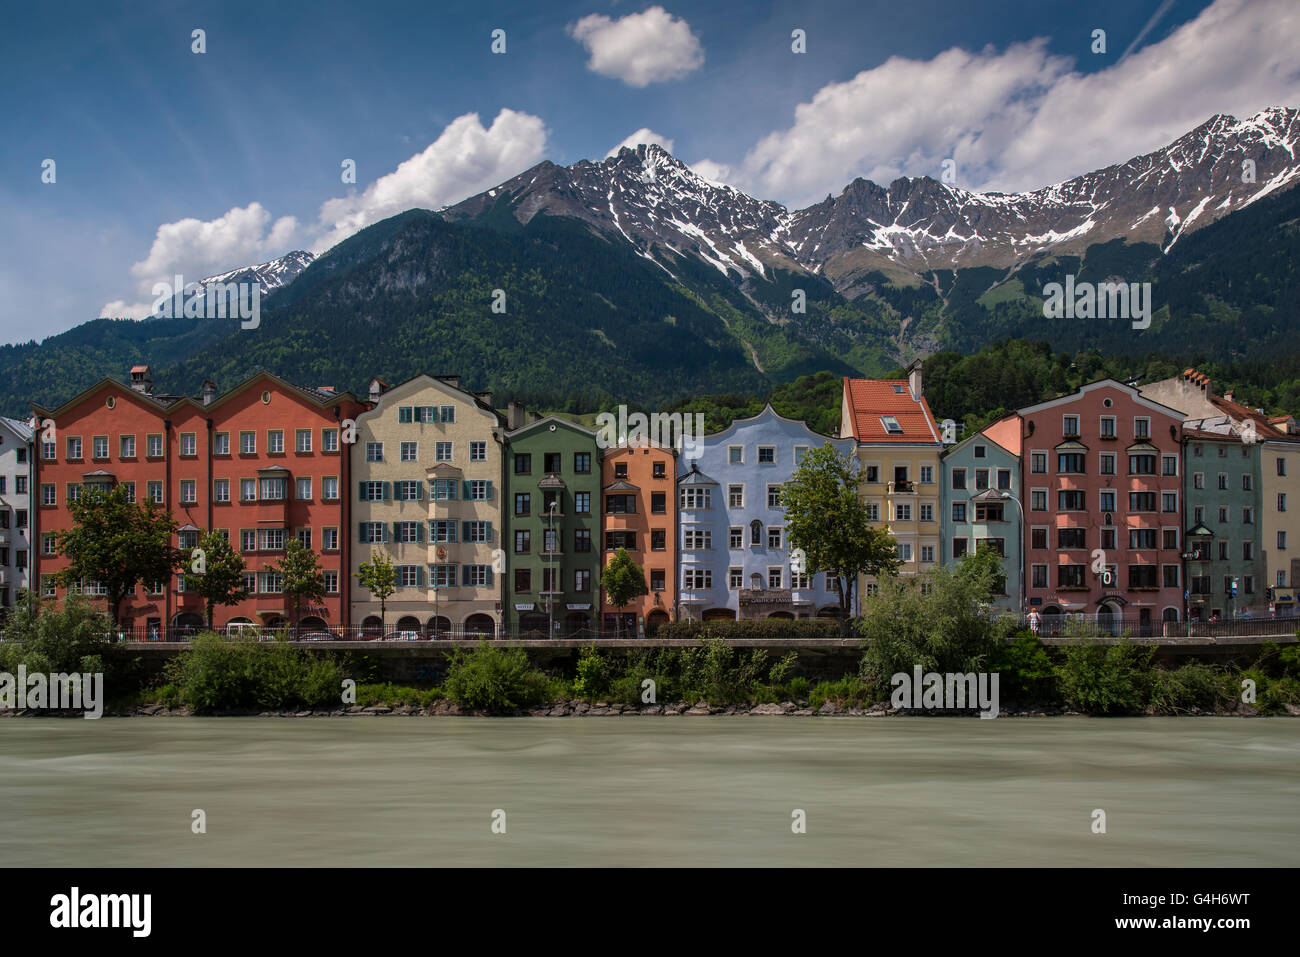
x=1118 y=503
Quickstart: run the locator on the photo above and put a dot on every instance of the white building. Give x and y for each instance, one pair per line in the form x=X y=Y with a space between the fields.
x=15 y=485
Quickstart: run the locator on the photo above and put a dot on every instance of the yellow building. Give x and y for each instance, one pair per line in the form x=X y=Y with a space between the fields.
x=427 y=489
x=898 y=443
x=1280 y=522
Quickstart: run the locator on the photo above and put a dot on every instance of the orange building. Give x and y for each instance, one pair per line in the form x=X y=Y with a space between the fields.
x=261 y=462
x=639 y=513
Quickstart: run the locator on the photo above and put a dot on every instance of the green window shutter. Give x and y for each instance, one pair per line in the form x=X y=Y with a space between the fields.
x=361 y=532
x=489 y=538
x=397 y=531
x=419 y=491
x=361 y=492
x=388 y=491
x=465 y=490
x=419 y=532
x=489 y=490
x=464 y=530
x=419 y=576
x=384 y=531
x=488 y=570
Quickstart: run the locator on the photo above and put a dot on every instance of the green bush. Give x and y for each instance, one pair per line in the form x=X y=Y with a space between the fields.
x=751 y=629
x=1192 y=685
x=387 y=693
x=219 y=674
x=1026 y=672
x=1106 y=679
x=496 y=680
x=593 y=677
x=848 y=692
x=72 y=637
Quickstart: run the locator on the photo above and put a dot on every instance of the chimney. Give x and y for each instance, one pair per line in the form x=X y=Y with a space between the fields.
x=486 y=397
x=515 y=416
x=451 y=380
x=142 y=379
x=209 y=391
x=914 y=380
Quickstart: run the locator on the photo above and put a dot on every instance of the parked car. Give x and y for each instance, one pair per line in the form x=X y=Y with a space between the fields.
x=318 y=636
x=401 y=636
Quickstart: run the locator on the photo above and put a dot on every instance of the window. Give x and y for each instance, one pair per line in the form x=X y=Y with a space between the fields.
x=774 y=496
x=1038 y=462
x=904 y=551
x=302 y=440
x=1281 y=466
x=1281 y=579
x=755 y=534
x=304 y=537
x=1038 y=500
x=409 y=452
x=1106 y=500
x=478 y=451
x=1141 y=538
x=775 y=577
x=20 y=483
x=273 y=489
x=735 y=455
x=1169 y=501
x=523 y=580
x=74 y=447
x=927 y=474
x=658 y=503
x=126 y=446
x=1223 y=551
x=927 y=513
x=1108 y=426
x=48 y=495
x=620 y=539
x=902 y=513
x=1198 y=480
x=1248 y=516
x=766 y=455
x=927 y=553
x=1141 y=501
x=1072 y=500
x=189 y=445
x=480 y=490
x=1247 y=482
x=442 y=451
x=188 y=492
x=155 y=492
x=408 y=490
x=409 y=533
x=736 y=537
x=620 y=504
x=523 y=541
x=1143 y=464
x=774 y=537
x=551 y=462
x=695 y=539
x=1223 y=481
x=1168 y=465
x=408 y=576
x=735 y=578
x=445 y=490
x=1071 y=576
x=1071 y=538
x=873 y=473
x=1039 y=576
x=329 y=440
x=1142 y=576
x=329 y=539
x=372 y=533
x=694 y=497
x=958 y=478
x=1281 y=541
x=697 y=578
x=582 y=540
x=99 y=446
x=958 y=547
x=523 y=503
x=989 y=512
x=582 y=503
x=247 y=443
x=1170 y=575
x=47 y=451
x=959 y=511
x=1004 y=479
x=1142 y=428
x=1070 y=425
x=302 y=489
x=1038 y=537
x=329 y=488
x=581 y=463
x=220 y=443
x=523 y=463
x=799 y=581
x=374 y=451
x=981 y=480
x=735 y=496
x=1070 y=463
x=447 y=413
x=1107 y=463
x=1248 y=551
x=890 y=424
x=1281 y=501
x=873 y=512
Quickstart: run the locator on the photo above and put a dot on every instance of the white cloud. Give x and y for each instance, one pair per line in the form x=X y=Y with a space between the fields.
x=465 y=159
x=1022 y=118
x=641 y=48
x=643 y=135
x=714 y=172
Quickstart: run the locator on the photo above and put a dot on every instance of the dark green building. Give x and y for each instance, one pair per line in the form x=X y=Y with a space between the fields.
x=553 y=519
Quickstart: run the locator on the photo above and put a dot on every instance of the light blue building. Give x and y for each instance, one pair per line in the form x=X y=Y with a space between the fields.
x=982 y=504
x=734 y=557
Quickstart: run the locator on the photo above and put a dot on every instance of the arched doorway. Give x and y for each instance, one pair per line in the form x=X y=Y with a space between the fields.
x=1052 y=620
x=654 y=620
x=782 y=614
x=408 y=623
x=480 y=625
x=312 y=623
x=187 y=624
x=371 y=626
x=438 y=627
x=1108 y=619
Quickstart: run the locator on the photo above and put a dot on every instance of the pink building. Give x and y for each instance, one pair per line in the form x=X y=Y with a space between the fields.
x=1100 y=473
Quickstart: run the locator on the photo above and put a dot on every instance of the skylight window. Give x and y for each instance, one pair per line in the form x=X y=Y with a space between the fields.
x=891 y=424
x=898 y=388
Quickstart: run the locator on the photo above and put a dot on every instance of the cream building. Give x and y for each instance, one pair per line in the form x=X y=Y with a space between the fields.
x=427 y=489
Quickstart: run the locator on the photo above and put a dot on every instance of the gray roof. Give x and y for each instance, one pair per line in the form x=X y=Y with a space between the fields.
x=23 y=430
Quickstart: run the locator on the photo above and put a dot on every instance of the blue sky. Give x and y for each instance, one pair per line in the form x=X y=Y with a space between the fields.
x=172 y=161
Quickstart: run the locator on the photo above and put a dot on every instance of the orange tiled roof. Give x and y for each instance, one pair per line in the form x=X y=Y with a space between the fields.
x=869 y=399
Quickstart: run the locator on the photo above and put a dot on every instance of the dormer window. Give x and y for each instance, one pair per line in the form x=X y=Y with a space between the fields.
x=891 y=425
x=898 y=388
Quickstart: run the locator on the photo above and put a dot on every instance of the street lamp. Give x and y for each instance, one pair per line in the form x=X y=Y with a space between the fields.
x=550 y=561
x=1006 y=496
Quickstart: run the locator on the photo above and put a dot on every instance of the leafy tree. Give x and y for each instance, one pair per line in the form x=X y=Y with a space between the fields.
x=828 y=522
x=222 y=580
x=117 y=543
x=379 y=577
x=623 y=580
x=301 y=577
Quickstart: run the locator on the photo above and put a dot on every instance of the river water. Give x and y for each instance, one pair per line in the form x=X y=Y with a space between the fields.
x=373 y=791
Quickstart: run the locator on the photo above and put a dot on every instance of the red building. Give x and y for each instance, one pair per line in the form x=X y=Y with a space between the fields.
x=639 y=513
x=1100 y=474
x=265 y=461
